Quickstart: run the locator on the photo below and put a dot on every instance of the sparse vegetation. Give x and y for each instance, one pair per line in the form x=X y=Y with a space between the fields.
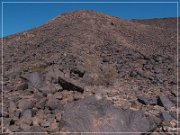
x=37 y=68
x=100 y=74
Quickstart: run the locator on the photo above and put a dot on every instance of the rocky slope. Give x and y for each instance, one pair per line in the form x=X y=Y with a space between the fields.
x=89 y=72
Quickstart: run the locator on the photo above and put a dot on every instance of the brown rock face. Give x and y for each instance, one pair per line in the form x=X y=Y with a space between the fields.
x=87 y=71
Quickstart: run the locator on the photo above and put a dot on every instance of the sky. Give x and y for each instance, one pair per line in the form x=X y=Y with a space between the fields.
x=19 y=17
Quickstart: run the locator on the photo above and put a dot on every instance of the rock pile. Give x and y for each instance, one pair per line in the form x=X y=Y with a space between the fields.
x=90 y=72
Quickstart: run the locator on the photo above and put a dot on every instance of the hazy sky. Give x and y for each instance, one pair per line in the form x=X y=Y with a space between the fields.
x=18 y=17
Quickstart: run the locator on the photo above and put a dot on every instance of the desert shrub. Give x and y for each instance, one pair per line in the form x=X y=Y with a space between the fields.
x=108 y=75
x=37 y=68
x=91 y=63
x=101 y=74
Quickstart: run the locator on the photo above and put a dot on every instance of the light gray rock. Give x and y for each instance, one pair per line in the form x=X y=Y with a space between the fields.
x=165 y=102
x=35 y=79
x=166 y=116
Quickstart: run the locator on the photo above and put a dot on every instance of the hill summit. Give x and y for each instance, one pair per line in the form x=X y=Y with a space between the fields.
x=81 y=70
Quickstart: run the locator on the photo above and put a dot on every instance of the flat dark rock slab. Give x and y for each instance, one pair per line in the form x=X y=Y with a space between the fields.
x=92 y=115
x=147 y=101
x=22 y=86
x=70 y=84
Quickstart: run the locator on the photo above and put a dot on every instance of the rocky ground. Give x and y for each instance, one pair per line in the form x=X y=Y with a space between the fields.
x=90 y=72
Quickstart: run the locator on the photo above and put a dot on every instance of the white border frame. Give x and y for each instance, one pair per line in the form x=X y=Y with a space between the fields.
x=177 y=3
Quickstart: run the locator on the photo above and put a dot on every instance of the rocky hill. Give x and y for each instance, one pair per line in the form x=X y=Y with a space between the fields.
x=89 y=72
x=166 y=23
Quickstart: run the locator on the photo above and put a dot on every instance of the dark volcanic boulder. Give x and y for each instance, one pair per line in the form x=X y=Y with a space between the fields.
x=70 y=84
x=22 y=86
x=92 y=115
